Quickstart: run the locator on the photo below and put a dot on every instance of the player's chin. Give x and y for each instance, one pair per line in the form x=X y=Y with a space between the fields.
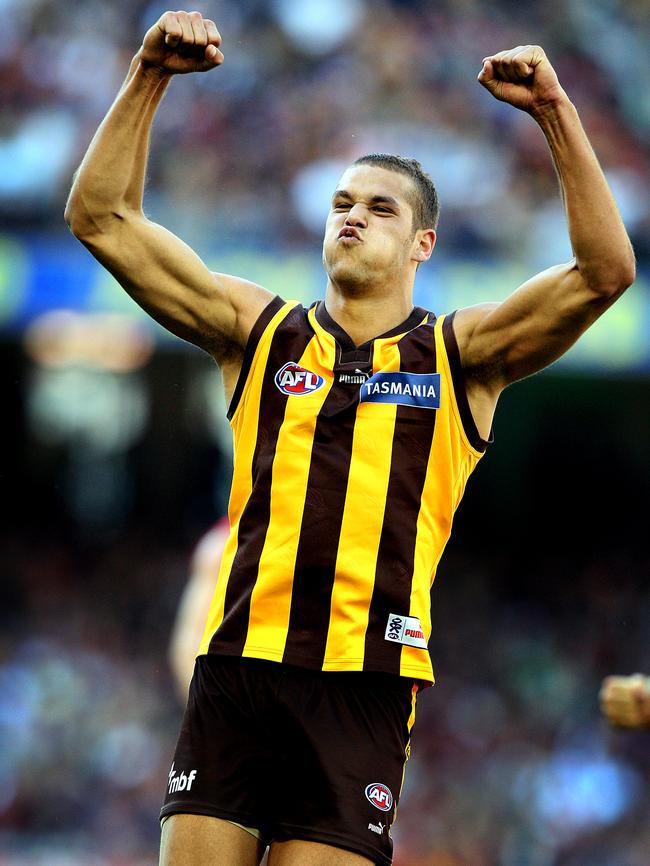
x=352 y=277
x=343 y=266
x=340 y=251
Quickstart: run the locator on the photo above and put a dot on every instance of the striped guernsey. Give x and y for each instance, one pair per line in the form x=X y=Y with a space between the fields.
x=349 y=464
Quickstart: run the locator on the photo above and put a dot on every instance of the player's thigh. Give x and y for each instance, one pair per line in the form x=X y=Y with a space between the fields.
x=295 y=852
x=199 y=840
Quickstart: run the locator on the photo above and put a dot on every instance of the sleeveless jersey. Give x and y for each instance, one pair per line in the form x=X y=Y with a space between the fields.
x=349 y=463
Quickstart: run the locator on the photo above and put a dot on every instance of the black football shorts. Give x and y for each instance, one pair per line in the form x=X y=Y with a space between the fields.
x=294 y=753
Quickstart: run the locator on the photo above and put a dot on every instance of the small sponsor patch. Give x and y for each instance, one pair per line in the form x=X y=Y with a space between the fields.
x=377 y=828
x=406 y=630
x=356 y=378
x=180 y=781
x=380 y=796
x=406 y=389
x=294 y=379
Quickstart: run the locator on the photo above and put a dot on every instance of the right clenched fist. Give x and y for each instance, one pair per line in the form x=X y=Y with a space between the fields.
x=182 y=42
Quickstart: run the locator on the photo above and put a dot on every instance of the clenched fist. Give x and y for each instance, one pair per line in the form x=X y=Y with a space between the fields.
x=182 y=42
x=625 y=701
x=523 y=77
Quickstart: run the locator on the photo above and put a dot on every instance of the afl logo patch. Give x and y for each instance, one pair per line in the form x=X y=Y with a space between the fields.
x=380 y=796
x=294 y=379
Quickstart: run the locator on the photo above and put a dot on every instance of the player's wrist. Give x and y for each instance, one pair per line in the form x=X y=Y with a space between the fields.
x=151 y=70
x=550 y=111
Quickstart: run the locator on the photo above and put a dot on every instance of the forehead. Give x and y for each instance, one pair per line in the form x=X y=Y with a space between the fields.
x=366 y=181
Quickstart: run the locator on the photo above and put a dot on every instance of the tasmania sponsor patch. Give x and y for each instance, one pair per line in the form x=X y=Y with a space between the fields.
x=406 y=630
x=294 y=379
x=406 y=389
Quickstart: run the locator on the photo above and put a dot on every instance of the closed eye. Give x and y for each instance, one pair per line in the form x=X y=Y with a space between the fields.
x=376 y=208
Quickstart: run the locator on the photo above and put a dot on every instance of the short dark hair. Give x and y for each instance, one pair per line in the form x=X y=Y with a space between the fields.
x=426 y=208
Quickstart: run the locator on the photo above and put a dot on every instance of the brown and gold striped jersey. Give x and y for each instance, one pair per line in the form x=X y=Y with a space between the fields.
x=349 y=464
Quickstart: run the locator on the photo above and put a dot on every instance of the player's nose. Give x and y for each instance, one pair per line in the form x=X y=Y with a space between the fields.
x=356 y=216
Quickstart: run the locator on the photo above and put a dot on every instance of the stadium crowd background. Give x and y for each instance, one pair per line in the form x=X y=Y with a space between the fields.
x=113 y=466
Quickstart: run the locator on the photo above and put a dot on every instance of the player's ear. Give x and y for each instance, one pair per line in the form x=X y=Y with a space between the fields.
x=425 y=241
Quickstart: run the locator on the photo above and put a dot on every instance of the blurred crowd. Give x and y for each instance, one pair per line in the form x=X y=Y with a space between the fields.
x=249 y=154
x=88 y=712
x=511 y=766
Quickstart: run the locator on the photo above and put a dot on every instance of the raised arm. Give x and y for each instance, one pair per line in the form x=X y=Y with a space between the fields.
x=105 y=210
x=502 y=342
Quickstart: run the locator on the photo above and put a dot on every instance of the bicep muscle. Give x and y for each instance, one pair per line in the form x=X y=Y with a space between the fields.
x=171 y=283
x=532 y=328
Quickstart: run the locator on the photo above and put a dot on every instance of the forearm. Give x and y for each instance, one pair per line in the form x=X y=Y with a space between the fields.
x=110 y=180
x=600 y=243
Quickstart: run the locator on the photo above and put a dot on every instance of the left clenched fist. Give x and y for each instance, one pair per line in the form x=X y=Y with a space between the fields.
x=523 y=77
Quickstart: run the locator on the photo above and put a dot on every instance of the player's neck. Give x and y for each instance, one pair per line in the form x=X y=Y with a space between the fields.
x=366 y=316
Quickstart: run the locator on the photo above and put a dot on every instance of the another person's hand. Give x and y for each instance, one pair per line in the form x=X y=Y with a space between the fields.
x=181 y=42
x=625 y=701
x=522 y=77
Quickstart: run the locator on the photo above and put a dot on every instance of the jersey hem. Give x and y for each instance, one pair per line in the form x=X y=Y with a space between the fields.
x=416 y=672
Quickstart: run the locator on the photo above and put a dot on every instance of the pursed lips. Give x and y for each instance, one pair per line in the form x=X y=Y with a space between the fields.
x=349 y=233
